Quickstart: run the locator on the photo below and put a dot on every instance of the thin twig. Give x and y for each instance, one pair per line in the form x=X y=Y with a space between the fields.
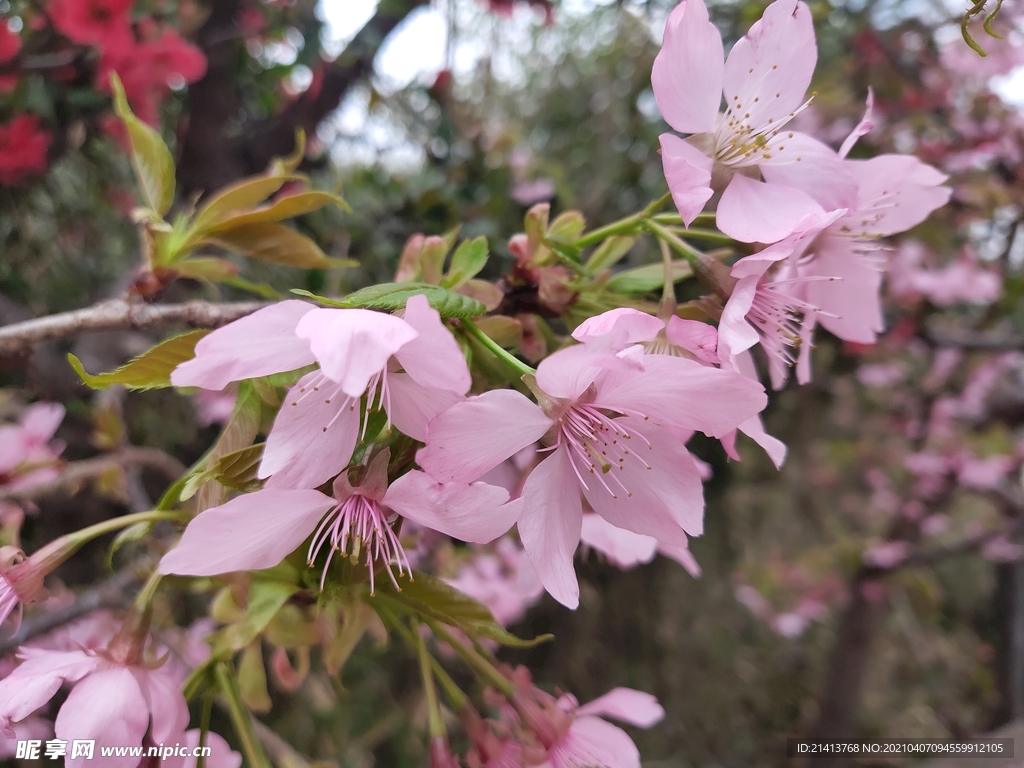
x=119 y=315
x=75 y=474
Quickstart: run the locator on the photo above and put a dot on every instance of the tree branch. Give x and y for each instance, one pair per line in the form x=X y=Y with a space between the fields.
x=119 y=315
x=75 y=474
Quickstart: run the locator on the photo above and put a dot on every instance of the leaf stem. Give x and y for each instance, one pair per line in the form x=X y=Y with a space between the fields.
x=455 y=694
x=434 y=717
x=511 y=360
x=240 y=717
x=204 y=727
x=624 y=226
x=479 y=664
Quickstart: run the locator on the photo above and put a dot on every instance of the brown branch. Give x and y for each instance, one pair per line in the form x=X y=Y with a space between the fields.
x=77 y=473
x=119 y=315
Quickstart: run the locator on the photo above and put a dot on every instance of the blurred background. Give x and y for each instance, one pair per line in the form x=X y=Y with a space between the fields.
x=871 y=588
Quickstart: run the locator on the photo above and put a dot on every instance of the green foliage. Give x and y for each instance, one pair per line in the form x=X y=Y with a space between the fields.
x=150 y=370
x=154 y=166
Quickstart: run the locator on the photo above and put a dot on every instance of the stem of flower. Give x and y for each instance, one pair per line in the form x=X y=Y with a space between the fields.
x=668 y=290
x=702 y=265
x=511 y=360
x=434 y=717
x=455 y=695
x=624 y=226
x=108 y=526
x=204 y=727
x=240 y=717
x=481 y=665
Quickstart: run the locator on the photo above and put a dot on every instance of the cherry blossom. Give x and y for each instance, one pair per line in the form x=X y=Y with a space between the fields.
x=610 y=434
x=359 y=352
x=764 y=81
x=258 y=530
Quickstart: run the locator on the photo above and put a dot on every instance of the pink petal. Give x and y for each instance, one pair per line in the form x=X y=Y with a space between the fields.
x=628 y=705
x=624 y=549
x=256 y=345
x=568 y=372
x=775 y=448
x=221 y=755
x=665 y=501
x=550 y=524
x=253 y=531
x=592 y=741
x=895 y=193
x=106 y=706
x=851 y=305
x=40 y=421
x=412 y=406
x=802 y=162
x=684 y=557
x=162 y=692
x=696 y=337
x=735 y=334
x=687 y=73
x=688 y=173
x=38 y=678
x=353 y=345
x=633 y=325
x=478 y=434
x=755 y=212
x=312 y=440
x=676 y=391
x=432 y=359
x=477 y=512
x=866 y=124
x=768 y=70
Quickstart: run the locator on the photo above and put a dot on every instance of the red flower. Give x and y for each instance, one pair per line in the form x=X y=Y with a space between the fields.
x=149 y=69
x=104 y=23
x=23 y=146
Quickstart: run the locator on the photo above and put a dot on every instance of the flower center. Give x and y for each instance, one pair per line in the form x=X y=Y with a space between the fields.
x=320 y=386
x=739 y=142
x=600 y=444
x=359 y=525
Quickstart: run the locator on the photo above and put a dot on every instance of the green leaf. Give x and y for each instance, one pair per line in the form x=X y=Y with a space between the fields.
x=242 y=196
x=235 y=470
x=265 y=600
x=467 y=261
x=321 y=299
x=567 y=226
x=237 y=434
x=269 y=241
x=252 y=678
x=131 y=533
x=153 y=163
x=393 y=296
x=282 y=208
x=355 y=621
x=609 y=253
x=150 y=370
x=435 y=599
x=648 y=278
x=207 y=268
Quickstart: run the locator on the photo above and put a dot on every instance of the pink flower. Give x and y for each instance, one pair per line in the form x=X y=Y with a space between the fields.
x=115 y=702
x=358 y=352
x=963 y=281
x=764 y=81
x=609 y=428
x=571 y=736
x=625 y=549
x=221 y=754
x=23 y=148
x=619 y=328
x=504 y=581
x=258 y=530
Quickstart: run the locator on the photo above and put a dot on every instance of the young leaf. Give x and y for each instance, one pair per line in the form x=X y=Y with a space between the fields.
x=150 y=370
x=394 y=296
x=648 y=278
x=207 y=268
x=235 y=470
x=609 y=253
x=153 y=163
x=265 y=600
x=252 y=678
x=432 y=598
x=468 y=260
x=282 y=208
x=240 y=197
x=269 y=241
